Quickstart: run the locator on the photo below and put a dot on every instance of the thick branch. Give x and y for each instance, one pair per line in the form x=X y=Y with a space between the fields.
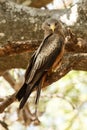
x=77 y=45
x=70 y=62
x=16 y=56
x=7 y=102
x=22 y=23
x=20 y=31
x=19 y=47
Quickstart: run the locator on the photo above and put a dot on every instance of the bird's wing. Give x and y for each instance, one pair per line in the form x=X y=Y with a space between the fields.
x=33 y=58
x=29 y=67
x=46 y=56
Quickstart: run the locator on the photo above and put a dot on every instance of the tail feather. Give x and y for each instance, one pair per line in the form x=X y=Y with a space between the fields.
x=26 y=91
x=25 y=97
x=21 y=92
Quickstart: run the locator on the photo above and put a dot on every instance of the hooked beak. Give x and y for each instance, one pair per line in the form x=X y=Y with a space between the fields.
x=52 y=27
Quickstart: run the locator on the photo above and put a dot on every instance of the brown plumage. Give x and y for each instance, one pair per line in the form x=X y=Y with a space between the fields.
x=47 y=57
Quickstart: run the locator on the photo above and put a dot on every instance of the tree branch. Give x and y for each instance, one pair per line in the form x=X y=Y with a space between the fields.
x=8 y=101
x=72 y=45
x=7 y=76
x=13 y=53
x=11 y=80
x=20 y=34
x=20 y=23
x=69 y=63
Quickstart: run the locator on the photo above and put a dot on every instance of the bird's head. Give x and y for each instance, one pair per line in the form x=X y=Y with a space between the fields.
x=52 y=26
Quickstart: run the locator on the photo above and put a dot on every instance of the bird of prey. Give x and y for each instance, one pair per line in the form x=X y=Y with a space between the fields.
x=45 y=59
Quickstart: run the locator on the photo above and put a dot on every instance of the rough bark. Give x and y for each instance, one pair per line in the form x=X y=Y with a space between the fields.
x=21 y=33
x=20 y=23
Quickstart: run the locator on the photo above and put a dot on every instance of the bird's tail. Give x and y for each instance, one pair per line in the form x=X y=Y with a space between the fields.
x=29 y=90
x=21 y=92
x=25 y=92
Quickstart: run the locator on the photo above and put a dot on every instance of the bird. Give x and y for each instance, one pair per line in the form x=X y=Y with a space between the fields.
x=44 y=60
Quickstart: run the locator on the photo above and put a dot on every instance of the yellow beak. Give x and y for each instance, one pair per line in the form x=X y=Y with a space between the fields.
x=52 y=27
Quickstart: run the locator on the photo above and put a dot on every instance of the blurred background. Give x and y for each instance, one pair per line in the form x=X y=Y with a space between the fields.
x=62 y=105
